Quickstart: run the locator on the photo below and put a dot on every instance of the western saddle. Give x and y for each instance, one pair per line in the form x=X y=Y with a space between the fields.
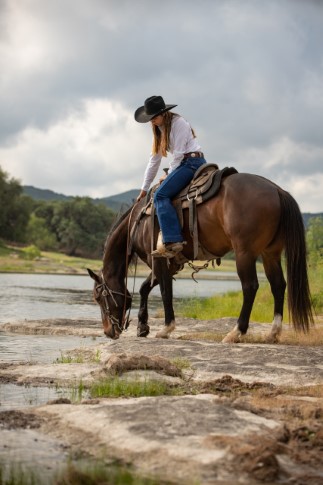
x=204 y=185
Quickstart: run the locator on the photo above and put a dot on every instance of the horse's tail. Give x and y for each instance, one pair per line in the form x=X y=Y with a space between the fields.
x=298 y=291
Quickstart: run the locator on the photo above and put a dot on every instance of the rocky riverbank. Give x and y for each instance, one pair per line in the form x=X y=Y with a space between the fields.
x=251 y=413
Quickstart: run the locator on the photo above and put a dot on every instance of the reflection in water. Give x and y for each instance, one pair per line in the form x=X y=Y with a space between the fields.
x=17 y=397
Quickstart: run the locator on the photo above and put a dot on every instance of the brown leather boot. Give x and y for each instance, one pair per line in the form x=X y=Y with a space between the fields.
x=169 y=250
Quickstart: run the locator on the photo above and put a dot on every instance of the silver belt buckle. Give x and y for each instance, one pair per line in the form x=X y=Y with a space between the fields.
x=193 y=155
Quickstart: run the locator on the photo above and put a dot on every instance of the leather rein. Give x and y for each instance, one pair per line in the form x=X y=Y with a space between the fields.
x=106 y=291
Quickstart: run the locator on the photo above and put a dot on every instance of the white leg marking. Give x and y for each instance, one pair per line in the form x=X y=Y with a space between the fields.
x=276 y=329
x=167 y=330
x=233 y=336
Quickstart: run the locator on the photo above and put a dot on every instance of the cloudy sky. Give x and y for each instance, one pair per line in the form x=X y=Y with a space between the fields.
x=247 y=74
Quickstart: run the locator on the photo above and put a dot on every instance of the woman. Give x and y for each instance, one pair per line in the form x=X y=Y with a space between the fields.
x=171 y=133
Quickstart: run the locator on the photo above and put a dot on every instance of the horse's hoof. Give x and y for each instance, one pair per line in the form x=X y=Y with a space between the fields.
x=161 y=335
x=233 y=337
x=271 y=339
x=143 y=331
x=229 y=340
x=168 y=329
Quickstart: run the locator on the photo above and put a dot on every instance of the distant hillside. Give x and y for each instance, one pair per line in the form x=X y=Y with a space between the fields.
x=43 y=194
x=308 y=215
x=114 y=202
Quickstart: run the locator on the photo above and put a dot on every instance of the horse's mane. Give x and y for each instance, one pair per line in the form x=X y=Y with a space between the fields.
x=118 y=221
x=116 y=224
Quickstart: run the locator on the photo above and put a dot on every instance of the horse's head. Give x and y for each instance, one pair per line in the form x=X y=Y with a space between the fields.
x=113 y=304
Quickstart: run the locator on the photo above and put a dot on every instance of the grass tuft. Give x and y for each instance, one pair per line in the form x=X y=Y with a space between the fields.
x=15 y=474
x=118 y=387
x=181 y=363
x=101 y=474
x=76 y=474
x=68 y=359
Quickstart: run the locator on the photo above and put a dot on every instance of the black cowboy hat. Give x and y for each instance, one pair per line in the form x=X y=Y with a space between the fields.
x=154 y=106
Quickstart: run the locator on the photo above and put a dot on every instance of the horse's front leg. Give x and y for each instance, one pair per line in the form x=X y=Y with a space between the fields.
x=145 y=289
x=165 y=280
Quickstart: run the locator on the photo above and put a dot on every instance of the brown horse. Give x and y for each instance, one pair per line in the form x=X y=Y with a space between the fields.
x=251 y=216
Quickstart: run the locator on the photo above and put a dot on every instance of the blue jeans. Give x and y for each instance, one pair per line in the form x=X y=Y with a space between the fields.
x=171 y=186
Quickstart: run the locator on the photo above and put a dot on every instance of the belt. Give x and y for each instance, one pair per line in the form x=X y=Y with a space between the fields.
x=193 y=155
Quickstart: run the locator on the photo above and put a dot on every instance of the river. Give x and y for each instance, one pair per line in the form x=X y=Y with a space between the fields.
x=40 y=296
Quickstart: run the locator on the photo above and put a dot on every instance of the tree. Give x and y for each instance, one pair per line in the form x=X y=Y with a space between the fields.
x=314 y=238
x=15 y=209
x=39 y=234
x=80 y=226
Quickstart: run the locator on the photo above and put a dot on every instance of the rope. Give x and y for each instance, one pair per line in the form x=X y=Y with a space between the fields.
x=124 y=319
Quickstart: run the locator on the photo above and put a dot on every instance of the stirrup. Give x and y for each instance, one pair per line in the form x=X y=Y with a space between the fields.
x=168 y=250
x=175 y=247
x=163 y=254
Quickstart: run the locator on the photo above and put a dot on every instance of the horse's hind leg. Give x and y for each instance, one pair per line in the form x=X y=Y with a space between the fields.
x=275 y=275
x=145 y=289
x=246 y=267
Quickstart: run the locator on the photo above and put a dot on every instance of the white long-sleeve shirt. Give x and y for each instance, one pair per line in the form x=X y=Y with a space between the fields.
x=181 y=141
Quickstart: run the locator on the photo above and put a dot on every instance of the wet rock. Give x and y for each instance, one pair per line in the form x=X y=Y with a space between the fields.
x=61 y=400
x=247 y=409
x=13 y=419
x=122 y=362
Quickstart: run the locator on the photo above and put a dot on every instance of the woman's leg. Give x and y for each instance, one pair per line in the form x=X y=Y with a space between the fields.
x=171 y=186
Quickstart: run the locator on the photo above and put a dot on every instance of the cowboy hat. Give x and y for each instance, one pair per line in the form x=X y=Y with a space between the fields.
x=154 y=106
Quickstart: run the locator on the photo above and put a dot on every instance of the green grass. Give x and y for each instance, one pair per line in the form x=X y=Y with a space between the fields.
x=68 y=359
x=75 y=474
x=117 y=387
x=79 y=357
x=100 y=474
x=316 y=285
x=229 y=304
x=181 y=363
x=14 y=474
x=30 y=260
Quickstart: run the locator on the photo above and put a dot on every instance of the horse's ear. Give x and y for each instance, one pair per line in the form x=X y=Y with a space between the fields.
x=93 y=275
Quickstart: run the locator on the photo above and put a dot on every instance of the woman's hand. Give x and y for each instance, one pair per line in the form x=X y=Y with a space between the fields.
x=142 y=194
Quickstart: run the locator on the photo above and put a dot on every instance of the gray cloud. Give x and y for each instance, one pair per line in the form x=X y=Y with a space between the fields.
x=247 y=74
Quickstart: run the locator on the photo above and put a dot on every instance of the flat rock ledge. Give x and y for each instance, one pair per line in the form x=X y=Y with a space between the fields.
x=247 y=413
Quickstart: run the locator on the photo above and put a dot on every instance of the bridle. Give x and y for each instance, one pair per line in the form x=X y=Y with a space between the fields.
x=106 y=291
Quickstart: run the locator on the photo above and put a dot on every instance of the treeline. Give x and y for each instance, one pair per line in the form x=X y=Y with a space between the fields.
x=77 y=227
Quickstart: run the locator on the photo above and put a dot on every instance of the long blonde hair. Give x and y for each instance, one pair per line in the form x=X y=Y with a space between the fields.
x=161 y=137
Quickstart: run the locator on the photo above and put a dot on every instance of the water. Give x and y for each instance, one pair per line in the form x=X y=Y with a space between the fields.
x=38 y=297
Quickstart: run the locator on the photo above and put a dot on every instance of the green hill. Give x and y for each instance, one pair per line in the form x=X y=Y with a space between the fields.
x=115 y=202
x=44 y=194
